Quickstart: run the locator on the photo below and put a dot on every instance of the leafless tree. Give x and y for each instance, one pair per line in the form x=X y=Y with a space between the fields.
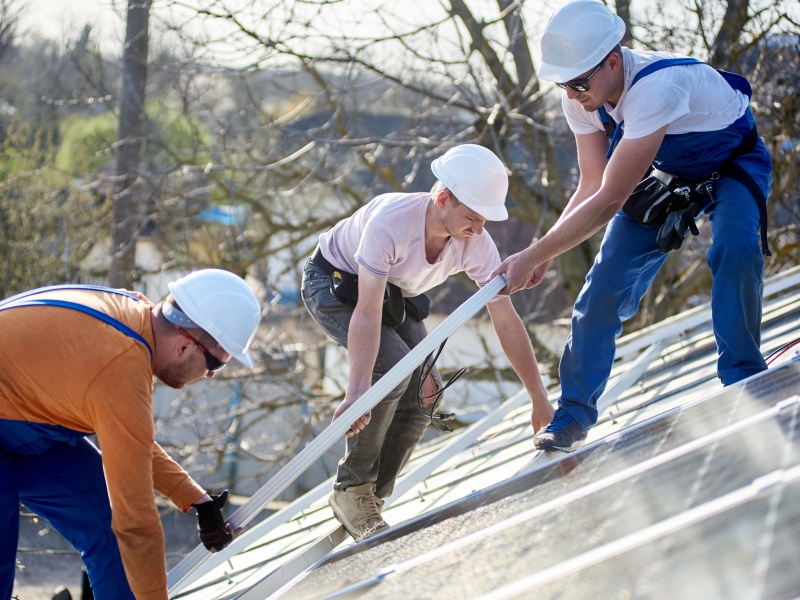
x=273 y=120
x=127 y=189
x=9 y=22
x=378 y=91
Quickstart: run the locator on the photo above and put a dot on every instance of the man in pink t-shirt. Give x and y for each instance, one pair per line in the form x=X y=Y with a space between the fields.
x=407 y=243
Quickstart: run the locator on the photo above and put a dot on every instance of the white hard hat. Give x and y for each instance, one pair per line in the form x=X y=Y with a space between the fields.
x=477 y=178
x=577 y=38
x=223 y=305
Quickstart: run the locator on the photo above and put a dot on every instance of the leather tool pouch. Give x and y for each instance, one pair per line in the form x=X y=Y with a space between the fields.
x=345 y=287
x=655 y=197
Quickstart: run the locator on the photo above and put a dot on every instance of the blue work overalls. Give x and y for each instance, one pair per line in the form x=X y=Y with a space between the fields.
x=58 y=474
x=629 y=259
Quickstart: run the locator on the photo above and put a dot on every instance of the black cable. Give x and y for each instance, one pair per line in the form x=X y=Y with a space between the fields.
x=780 y=350
x=433 y=415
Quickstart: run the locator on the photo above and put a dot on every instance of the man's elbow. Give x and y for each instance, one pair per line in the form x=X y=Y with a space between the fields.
x=503 y=314
x=365 y=315
x=610 y=201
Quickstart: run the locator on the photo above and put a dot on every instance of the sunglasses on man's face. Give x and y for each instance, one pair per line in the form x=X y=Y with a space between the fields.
x=582 y=84
x=213 y=364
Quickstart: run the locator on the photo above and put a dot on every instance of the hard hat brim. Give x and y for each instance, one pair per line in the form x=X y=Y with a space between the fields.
x=490 y=213
x=246 y=359
x=559 y=73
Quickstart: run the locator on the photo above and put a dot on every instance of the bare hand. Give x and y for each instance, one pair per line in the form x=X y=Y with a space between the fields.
x=360 y=424
x=521 y=271
x=541 y=415
x=429 y=389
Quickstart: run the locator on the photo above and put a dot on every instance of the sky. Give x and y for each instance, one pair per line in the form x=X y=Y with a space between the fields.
x=63 y=20
x=60 y=19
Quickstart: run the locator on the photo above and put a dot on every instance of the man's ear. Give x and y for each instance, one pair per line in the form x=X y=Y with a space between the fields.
x=614 y=61
x=441 y=197
x=181 y=346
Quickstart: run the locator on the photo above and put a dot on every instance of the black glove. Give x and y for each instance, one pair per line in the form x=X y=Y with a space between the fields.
x=211 y=528
x=676 y=225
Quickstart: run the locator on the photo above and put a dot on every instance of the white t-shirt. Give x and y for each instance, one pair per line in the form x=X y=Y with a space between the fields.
x=686 y=98
x=387 y=238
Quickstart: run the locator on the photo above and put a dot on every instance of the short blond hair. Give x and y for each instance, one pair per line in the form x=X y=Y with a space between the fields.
x=438 y=187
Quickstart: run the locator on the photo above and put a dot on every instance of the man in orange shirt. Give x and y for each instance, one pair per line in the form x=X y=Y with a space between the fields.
x=80 y=360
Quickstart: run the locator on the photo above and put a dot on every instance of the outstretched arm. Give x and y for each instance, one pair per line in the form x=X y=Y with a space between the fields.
x=590 y=208
x=363 y=342
x=517 y=346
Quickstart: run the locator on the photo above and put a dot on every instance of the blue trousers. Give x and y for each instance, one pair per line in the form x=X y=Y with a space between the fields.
x=625 y=266
x=57 y=473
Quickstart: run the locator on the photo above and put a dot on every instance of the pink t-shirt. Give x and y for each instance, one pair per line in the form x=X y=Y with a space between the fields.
x=387 y=238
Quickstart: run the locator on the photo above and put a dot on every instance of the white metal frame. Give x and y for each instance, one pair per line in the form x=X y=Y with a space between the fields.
x=273 y=581
x=755 y=488
x=652 y=339
x=336 y=430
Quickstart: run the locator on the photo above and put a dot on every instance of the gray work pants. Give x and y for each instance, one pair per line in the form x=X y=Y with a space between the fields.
x=381 y=450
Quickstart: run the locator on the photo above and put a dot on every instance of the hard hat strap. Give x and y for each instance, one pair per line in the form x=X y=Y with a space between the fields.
x=177 y=317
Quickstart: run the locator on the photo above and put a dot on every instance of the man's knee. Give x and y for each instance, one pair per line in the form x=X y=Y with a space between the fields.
x=100 y=553
x=739 y=256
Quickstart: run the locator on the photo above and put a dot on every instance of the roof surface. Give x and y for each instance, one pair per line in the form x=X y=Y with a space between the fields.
x=685 y=489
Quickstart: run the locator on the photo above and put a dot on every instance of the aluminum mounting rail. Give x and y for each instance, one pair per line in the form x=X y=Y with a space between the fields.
x=337 y=429
x=247 y=537
x=327 y=543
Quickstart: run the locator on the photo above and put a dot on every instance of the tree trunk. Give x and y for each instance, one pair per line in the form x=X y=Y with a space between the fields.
x=127 y=185
x=723 y=54
x=518 y=43
x=624 y=13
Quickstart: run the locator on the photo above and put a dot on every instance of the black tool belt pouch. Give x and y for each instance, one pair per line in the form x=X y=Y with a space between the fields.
x=660 y=194
x=652 y=200
x=344 y=286
x=418 y=307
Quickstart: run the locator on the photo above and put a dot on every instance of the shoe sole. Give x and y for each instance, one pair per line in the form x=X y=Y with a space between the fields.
x=547 y=447
x=357 y=534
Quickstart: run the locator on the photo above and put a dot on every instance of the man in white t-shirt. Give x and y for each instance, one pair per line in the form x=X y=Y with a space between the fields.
x=414 y=242
x=689 y=123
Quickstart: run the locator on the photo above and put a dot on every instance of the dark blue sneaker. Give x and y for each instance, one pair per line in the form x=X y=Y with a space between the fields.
x=563 y=434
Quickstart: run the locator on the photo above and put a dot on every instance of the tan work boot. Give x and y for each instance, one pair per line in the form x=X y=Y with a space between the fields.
x=359 y=510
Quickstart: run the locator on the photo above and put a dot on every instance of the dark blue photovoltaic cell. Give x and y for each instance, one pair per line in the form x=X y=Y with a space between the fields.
x=691 y=465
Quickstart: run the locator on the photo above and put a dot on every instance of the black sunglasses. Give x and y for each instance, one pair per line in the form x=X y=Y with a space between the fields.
x=213 y=364
x=582 y=84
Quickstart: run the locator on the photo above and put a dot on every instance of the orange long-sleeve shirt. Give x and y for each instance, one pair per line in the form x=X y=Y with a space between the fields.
x=63 y=367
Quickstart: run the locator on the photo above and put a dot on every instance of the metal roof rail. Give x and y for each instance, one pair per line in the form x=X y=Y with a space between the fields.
x=337 y=429
x=653 y=340
x=698 y=315
x=274 y=580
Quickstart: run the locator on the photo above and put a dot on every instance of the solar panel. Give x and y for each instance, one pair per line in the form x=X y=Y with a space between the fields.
x=665 y=509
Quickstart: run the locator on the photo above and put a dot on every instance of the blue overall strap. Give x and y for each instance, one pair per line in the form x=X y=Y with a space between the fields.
x=651 y=68
x=609 y=124
x=69 y=286
x=108 y=319
x=663 y=63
